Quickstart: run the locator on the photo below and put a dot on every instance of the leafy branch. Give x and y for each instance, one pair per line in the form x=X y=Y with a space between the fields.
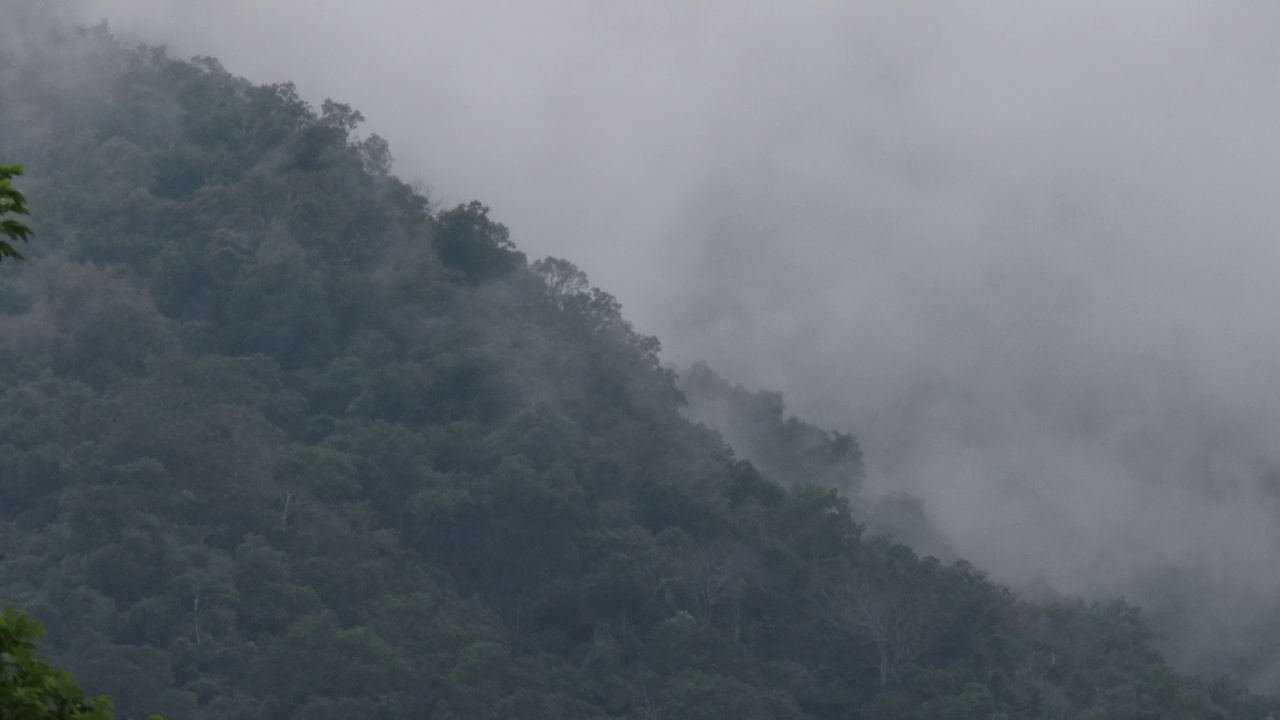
x=12 y=202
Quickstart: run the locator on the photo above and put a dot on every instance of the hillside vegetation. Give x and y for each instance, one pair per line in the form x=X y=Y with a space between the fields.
x=281 y=439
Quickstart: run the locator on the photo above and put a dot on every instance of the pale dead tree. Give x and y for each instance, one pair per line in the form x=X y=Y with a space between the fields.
x=195 y=583
x=717 y=575
x=290 y=478
x=208 y=586
x=286 y=497
x=894 y=611
x=195 y=613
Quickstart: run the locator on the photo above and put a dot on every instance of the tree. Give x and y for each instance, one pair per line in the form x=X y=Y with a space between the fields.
x=716 y=574
x=563 y=279
x=890 y=599
x=12 y=202
x=30 y=688
x=469 y=242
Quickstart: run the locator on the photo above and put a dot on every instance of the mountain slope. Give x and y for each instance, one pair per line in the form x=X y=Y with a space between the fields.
x=280 y=439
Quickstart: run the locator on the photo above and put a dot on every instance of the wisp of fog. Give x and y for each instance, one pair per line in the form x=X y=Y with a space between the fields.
x=1026 y=252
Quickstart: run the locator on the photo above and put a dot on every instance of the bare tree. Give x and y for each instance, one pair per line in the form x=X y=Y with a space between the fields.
x=717 y=575
x=892 y=607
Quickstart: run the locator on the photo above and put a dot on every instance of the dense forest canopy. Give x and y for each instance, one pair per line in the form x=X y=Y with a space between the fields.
x=280 y=438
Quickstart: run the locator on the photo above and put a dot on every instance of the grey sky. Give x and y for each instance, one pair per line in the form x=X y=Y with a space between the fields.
x=1025 y=251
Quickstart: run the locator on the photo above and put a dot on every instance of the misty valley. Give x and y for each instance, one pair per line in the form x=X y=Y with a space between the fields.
x=283 y=437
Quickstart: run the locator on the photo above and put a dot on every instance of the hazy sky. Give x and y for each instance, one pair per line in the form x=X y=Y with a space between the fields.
x=1027 y=252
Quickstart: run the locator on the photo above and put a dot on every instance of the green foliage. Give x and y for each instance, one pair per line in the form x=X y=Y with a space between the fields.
x=12 y=202
x=469 y=242
x=30 y=688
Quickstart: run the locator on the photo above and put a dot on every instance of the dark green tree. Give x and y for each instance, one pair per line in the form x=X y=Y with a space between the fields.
x=31 y=688
x=12 y=202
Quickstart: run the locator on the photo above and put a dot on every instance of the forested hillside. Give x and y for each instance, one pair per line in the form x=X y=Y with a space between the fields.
x=279 y=439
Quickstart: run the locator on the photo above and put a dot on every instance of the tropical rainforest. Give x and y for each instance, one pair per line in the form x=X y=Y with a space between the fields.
x=280 y=438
